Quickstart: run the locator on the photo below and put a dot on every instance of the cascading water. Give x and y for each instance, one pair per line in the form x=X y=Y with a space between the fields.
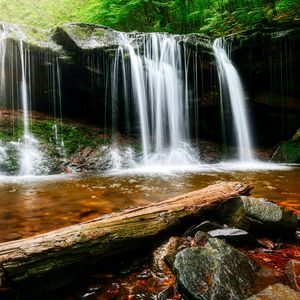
x=229 y=79
x=18 y=87
x=30 y=156
x=2 y=66
x=158 y=84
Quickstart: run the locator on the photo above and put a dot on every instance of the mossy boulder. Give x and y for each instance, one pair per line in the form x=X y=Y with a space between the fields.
x=258 y=216
x=215 y=271
x=288 y=152
x=77 y=37
x=31 y=36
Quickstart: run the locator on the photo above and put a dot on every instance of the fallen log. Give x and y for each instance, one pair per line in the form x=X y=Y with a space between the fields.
x=43 y=258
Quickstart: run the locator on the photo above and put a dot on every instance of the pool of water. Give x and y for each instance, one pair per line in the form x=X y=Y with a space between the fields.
x=33 y=205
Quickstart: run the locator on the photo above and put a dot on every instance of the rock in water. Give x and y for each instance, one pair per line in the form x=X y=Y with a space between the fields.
x=288 y=152
x=215 y=271
x=165 y=252
x=293 y=273
x=258 y=216
x=276 y=292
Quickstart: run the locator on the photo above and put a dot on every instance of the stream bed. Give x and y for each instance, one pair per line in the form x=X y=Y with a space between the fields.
x=34 y=205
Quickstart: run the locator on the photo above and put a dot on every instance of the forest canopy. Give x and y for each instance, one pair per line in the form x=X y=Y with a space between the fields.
x=214 y=17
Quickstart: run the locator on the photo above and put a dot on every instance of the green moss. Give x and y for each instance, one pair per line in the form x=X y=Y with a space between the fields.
x=35 y=35
x=291 y=151
x=79 y=32
x=74 y=137
x=99 y=32
x=85 y=32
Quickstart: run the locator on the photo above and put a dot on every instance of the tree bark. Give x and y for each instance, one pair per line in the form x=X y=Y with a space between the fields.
x=40 y=259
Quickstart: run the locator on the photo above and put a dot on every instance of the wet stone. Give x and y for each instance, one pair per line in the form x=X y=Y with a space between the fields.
x=200 y=239
x=258 y=216
x=267 y=243
x=293 y=273
x=166 y=293
x=215 y=271
x=233 y=236
x=276 y=292
x=166 y=251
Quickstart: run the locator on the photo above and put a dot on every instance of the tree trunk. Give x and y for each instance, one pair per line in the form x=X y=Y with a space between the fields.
x=44 y=258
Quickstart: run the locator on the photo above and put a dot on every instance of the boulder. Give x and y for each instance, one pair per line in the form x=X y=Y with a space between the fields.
x=276 y=292
x=215 y=271
x=293 y=273
x=233 y=236
x=288 y=152
x=77 y=37
x=258 y=216
x=31 y=36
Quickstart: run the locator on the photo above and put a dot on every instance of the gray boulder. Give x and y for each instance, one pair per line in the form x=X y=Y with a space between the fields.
x=215 y=271
x=86 y=37
x=258 y=216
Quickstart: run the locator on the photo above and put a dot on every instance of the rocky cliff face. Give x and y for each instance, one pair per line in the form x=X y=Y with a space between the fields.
x=266 y=58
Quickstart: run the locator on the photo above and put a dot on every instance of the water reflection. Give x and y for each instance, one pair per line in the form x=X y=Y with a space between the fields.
x=31 y=206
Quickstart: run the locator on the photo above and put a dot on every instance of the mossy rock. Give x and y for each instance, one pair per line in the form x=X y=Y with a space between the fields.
x=215 y=271
x=288 y=152
x=257 y=216
x=31 y=36
x=86 y=37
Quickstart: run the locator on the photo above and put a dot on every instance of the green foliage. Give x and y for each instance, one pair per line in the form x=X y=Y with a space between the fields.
x=182 y=16
x=215 y=17
x=42 y=13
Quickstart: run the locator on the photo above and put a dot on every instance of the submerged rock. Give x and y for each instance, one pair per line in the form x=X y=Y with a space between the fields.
x=163 y=253
x=276 y=292
x=293 y=273
x=215 y=271
x=257 y=216
x=288 y=152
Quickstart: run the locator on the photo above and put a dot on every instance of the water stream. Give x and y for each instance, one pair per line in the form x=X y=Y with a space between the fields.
x=153 y=86
x=230 y=79
x=30 y=155
x=159 y=89
x=18 y=87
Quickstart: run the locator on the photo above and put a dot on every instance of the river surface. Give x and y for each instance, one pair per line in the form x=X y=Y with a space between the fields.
x=29 y=206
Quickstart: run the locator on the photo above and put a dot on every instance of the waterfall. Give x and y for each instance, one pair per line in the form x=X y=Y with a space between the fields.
x=229 y=79
x=159 y=90
x=31 y=157
x=19 y=85
x=2 y=66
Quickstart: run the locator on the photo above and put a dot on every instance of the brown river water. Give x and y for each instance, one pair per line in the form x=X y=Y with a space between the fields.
x=30 y=206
